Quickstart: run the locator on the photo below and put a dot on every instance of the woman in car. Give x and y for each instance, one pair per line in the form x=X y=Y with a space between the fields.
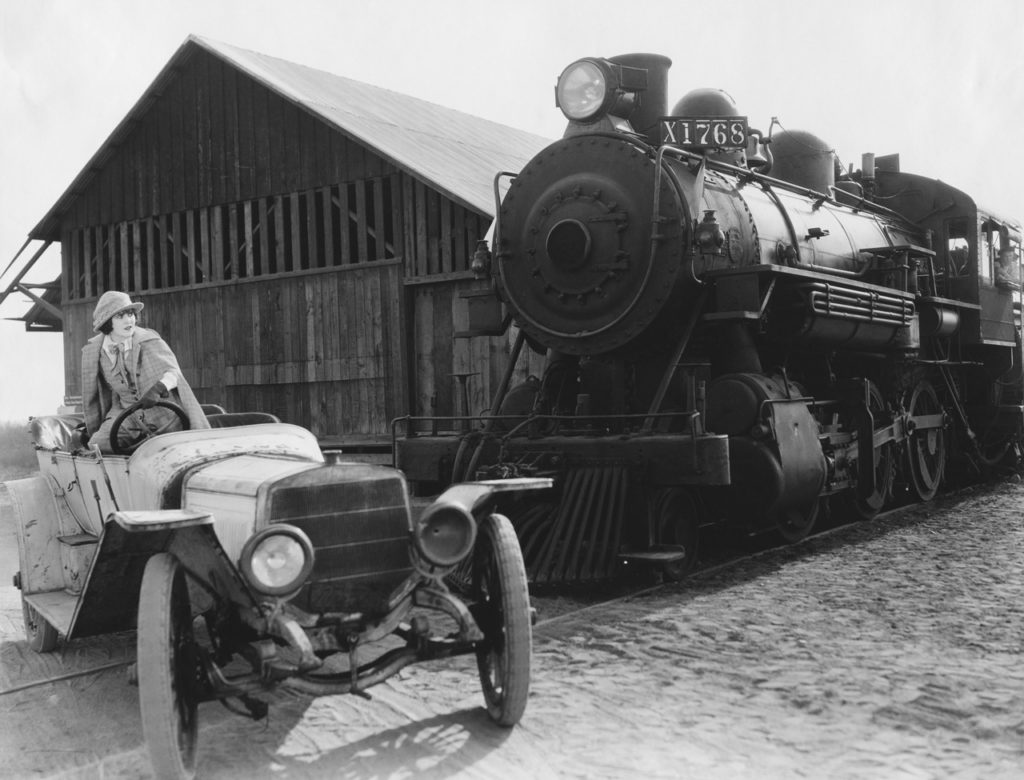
x=125 y=364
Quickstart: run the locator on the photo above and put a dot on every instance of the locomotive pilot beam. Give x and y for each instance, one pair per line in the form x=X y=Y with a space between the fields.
x=736 y=331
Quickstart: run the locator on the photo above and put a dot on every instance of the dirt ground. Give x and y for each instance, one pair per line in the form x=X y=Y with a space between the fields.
x=889 y=649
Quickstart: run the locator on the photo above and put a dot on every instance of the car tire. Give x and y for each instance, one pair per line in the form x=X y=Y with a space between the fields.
x=503 y=607
x=167 y=669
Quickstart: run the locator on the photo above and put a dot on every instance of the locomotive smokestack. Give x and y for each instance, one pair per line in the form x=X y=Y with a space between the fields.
x=654 y=100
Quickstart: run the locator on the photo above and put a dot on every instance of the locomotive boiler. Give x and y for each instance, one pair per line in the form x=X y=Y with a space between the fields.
x=736 y=331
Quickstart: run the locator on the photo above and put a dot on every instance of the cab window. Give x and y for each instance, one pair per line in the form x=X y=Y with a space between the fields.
x=990 y=242
x=957 y=247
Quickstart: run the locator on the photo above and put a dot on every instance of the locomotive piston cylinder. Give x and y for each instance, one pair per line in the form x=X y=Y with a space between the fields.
x=773 y=440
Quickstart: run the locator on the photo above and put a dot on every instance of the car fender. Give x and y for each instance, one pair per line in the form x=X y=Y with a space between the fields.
x=477 y=497
x=110 y=599
x=37 y=523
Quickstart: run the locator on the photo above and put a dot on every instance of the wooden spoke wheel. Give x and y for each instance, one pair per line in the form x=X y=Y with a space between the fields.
x=42 y=637
x=926 y=447
x=168 y=669
x=502 y=609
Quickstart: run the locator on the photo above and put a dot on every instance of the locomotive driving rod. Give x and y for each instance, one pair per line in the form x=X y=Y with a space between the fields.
x=869 y=439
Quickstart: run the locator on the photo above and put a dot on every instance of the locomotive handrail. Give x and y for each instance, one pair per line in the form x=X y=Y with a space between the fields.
x=749 y=175
x=656 y=205
x=785 y=217
x=523 y=419
x=496 y=183
x=767 y=183
x=508 y=417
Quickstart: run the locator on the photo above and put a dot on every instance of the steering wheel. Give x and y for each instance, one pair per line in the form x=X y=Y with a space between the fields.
x=133 y=445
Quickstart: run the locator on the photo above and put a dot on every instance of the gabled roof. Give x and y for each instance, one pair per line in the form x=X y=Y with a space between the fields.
x=455 y=153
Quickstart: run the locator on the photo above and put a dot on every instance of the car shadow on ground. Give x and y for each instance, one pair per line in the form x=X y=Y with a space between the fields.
x=295 y=742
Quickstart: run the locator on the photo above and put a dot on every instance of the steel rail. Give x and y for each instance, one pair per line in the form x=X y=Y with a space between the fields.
x=708 y=571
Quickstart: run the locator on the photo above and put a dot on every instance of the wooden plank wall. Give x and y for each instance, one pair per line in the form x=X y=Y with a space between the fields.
x=322 y=350
x=438 y=314
x=337 y=224
x=441 y=235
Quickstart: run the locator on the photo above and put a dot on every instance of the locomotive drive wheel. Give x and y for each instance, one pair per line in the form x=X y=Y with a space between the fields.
x=168 y=669
x=795 y=524
x=502 y=609
x=42 y=637
x=926 y=448
x=867 y=507
x=141 y=436
x=994 y=448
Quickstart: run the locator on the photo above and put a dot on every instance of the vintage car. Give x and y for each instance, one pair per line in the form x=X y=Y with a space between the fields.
x=306 y=571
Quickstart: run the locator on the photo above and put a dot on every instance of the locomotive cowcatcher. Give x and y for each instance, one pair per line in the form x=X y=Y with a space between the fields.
x=736 y=331
x=249 y=560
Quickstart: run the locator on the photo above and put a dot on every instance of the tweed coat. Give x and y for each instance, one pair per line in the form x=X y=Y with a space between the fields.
x=151 y=359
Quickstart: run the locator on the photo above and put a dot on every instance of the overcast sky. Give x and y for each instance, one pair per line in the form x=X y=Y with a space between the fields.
x=941 y=82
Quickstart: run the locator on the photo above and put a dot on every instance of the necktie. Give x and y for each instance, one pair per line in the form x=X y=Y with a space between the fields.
x=120 y=365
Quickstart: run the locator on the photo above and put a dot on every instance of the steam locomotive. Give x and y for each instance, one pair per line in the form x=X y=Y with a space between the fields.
x=736 y=331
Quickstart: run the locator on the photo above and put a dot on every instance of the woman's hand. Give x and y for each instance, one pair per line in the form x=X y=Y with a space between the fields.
x=154 y=394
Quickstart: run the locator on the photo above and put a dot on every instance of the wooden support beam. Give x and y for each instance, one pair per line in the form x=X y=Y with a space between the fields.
x=21 y=274
x=55 y=311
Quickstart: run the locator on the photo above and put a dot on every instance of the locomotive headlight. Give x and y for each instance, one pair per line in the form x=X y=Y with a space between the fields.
x=583 y=89
x=590 y=88
x=277 y=560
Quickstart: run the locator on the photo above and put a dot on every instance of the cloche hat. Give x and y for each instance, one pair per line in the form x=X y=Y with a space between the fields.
x=109 y=304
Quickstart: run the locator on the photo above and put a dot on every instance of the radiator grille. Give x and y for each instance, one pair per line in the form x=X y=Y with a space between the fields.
x=357 y=518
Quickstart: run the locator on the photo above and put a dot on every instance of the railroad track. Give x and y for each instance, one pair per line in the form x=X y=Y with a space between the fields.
x=556 y=603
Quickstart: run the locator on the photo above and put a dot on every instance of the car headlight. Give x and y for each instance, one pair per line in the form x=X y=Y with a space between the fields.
x=445 y=533
x=277 y=560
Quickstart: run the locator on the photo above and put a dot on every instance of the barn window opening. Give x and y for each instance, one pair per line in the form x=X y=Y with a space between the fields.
x=336 y=225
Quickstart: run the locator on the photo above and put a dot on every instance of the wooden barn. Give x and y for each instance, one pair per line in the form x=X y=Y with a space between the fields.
x=302 y=240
